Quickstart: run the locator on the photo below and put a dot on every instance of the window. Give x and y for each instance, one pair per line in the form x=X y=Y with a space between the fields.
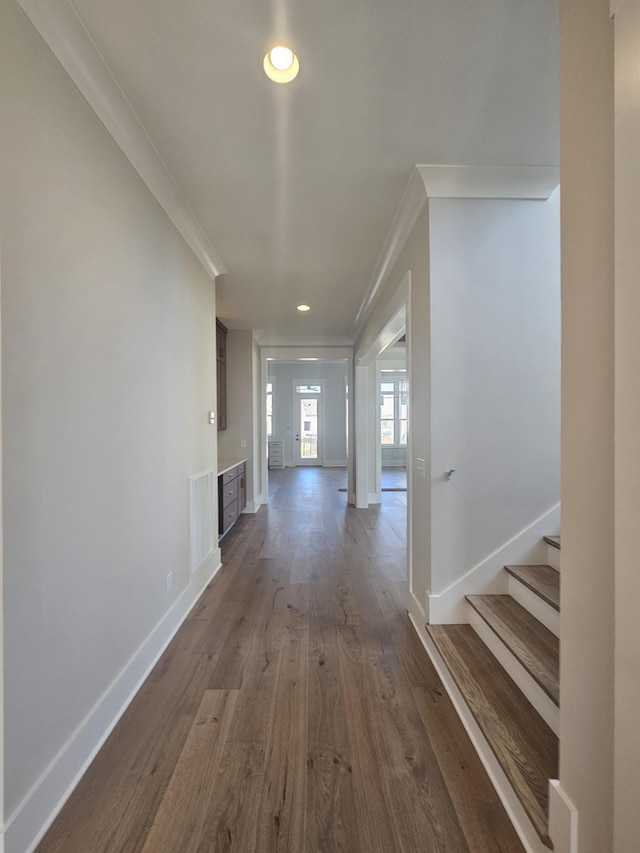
x=308 y=389
x=393 y=411
x=269 y=409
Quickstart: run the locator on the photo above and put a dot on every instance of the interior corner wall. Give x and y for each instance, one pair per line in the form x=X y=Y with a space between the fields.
x=414 y=257
x=240 y=404
x=627 y=436
x=588 y=381
x=108 y=339
x=283 y=375
x=495 y=375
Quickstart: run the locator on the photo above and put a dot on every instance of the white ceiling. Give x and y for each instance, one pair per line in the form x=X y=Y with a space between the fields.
x=296 y=186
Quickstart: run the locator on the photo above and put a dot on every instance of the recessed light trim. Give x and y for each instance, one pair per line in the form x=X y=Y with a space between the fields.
x=281 y=63
x=304 y=308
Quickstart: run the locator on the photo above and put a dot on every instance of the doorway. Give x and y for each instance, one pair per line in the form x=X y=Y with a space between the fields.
x=308 y=422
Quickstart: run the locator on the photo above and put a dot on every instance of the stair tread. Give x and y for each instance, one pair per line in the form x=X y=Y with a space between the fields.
x=554 y=541
x=543 y=580
x=533 y=645
x=523 y=744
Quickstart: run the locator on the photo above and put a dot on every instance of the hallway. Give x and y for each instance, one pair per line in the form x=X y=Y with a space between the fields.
x=295 y=710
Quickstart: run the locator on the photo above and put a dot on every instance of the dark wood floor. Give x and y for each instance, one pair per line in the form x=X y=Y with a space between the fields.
x=295 y=710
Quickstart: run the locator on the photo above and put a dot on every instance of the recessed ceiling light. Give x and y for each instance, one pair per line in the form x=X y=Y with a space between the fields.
x=304 y=308
x=281 y=64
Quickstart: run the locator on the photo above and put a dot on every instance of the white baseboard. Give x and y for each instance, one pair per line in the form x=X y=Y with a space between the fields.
x=517 y=815
x=527 y=546
x=374 y=497
x=563 y=820
x=27 y=825
x=253 y=506
x=416 y=610
x=335 y=463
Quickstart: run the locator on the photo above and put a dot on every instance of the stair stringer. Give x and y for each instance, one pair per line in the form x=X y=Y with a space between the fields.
x=488 y=577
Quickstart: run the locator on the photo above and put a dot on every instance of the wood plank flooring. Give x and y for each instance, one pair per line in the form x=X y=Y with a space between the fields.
x=524 y=745
x=295 y=710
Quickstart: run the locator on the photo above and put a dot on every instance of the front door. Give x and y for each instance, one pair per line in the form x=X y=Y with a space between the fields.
x=308 y=439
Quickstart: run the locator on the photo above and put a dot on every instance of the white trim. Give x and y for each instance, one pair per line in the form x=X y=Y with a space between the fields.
x=374 y=497
x=563 y=820
x=450 y=181
x=517 y=815
x=308 y=395
x=30 y=820
x=334 y=463
x=252 y=506
x=66 y=36
x=553 y=556
x=283 y=342
x=415 y=610
x=545 y=706
x=362 y=436
x=491 y=182
x=412 y=202
x=536 y=606
x=526 y=547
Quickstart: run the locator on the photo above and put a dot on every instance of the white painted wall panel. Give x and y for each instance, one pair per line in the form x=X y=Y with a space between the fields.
x=108 y=373
x=495 y=373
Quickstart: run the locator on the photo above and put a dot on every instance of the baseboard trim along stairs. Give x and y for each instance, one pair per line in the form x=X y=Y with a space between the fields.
x=502 y=671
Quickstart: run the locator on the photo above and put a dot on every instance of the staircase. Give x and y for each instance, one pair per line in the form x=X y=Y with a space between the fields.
x=502 y=672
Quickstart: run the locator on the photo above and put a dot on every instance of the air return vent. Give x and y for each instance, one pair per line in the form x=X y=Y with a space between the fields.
x=202 y=519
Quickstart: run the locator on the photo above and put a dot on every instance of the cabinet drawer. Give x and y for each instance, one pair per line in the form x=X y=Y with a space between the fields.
x=240 y=469
x=228 y=476
x=229 y=515
x=229 y=492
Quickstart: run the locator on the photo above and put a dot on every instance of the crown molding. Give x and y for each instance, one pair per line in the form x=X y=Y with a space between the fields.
x=296 y=342
x=431 y=182
x=527 y=183
x=61 y=28
x=412 y=202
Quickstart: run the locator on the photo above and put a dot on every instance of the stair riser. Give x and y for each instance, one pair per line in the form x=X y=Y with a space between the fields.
x=538 y=608
x=553 y=557
x=523 y=826
x=545 y=706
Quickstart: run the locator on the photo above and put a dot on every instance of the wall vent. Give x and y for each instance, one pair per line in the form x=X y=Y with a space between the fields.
x=202 y=519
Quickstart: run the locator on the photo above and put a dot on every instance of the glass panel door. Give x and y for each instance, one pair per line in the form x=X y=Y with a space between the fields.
x=308 y=437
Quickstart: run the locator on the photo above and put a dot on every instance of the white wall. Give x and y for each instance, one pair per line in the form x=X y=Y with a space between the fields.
x=495 y=375
x=627 y=439
x=108 y=335
x=587 y=593
x=413 y=258
x=240 y=406
x=283 y=376
x=259 y=428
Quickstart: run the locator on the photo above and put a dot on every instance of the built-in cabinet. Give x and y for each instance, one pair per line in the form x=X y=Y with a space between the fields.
x=232 y=493
x=276 y=453
x=221 y=372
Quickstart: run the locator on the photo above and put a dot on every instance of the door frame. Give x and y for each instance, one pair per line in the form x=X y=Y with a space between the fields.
x=297 y=397
x=320 y=350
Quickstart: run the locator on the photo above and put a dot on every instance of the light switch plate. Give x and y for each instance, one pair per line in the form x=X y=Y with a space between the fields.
x=212 y=418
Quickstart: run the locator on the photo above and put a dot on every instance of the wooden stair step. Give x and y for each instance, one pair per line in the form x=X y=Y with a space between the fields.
x=554 y=541
x=523 y=744
x=543 y=580
x=533 y=645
